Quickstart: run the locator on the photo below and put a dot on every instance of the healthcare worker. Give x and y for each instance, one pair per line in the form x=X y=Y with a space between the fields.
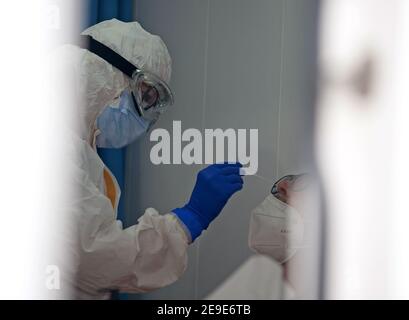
x=120 y=73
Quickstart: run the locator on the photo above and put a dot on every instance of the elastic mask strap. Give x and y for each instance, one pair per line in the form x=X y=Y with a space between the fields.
x=106 y=53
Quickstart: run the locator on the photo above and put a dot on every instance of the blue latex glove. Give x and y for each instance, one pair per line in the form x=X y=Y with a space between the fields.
x=214 y=187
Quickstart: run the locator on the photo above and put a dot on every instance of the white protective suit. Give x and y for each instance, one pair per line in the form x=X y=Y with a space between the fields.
x=104 y=256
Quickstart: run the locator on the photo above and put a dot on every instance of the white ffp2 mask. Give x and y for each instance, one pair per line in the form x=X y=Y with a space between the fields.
x=276 y=229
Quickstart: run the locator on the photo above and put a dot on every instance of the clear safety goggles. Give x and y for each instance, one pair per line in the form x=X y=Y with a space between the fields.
x=296 y=183
x=151 y=95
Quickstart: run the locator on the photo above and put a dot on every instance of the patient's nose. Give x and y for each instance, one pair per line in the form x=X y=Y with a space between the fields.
x=283 y=191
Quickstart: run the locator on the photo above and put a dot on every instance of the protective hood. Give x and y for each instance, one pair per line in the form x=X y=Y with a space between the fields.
x=93 y=83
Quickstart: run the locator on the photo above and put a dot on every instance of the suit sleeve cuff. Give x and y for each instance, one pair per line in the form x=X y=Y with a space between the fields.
x=189 y=221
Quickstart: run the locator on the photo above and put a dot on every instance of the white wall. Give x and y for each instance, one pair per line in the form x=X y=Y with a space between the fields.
x=236 y=64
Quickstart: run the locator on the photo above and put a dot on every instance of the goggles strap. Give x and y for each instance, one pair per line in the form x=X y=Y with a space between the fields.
x=106 y=53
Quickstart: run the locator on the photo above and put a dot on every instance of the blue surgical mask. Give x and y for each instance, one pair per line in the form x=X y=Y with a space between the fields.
x=120 y=126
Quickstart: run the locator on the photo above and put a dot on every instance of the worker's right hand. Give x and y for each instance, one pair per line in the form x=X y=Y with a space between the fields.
x=214 y=187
